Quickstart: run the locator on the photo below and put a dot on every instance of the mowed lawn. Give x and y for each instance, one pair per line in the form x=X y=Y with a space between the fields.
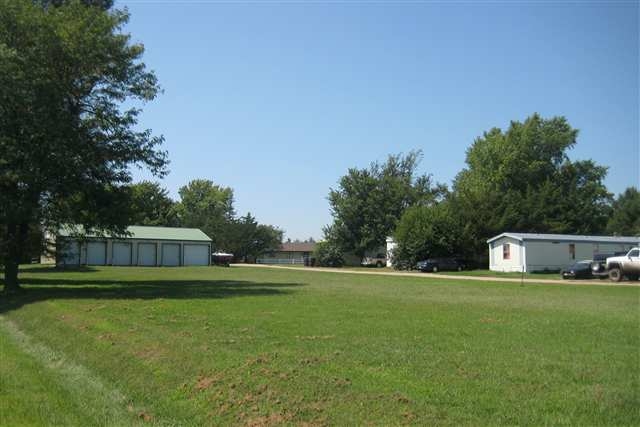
x=250 y=346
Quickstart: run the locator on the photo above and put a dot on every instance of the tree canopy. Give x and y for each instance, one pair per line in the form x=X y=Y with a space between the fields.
x=207 y=206
x=246 y=239
x=67 y=143
x=425 y=232
x=625 y=219
x=521 y=179
x=328 y=254
x=151 y=205
x=368 y=202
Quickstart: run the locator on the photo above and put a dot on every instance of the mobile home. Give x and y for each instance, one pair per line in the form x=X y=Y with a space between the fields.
x=530 y=252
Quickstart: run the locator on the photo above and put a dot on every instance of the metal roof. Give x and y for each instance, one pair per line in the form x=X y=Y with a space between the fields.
x=142 y=232
x=568 y=238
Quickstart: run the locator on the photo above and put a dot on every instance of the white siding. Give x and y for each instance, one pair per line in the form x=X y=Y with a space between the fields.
x=549 y=255
x=96 y=253
x=196 y=254
x=543 y=255
x=496 y=260
x=147 y=254
x=132 y=252
x=121 y=253
x=170 y=255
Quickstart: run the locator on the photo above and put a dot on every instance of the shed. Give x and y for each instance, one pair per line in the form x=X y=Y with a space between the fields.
x=144 y=246
x=531 y=252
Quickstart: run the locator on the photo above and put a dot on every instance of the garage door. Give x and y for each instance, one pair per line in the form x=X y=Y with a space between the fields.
x=170 y=255
x=96 y=253
x=69 y=253
x=121 y=253
x=196 y=254
x=147 y=254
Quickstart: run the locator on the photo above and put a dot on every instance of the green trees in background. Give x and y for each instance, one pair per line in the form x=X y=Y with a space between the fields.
x=522 y=180
x=368 y=203
x=209 y=207
x=519 y=179
x=206 y=206
x=67 y=143
x=426 y=231
x=151 y=205
x=328 y=254
x=625 y=219
x=247 y=239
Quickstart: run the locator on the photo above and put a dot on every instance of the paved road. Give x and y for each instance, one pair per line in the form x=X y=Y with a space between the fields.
x=447 y=276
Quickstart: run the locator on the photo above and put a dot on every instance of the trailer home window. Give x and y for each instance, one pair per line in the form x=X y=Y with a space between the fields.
x=572 y=250
x=506 y=251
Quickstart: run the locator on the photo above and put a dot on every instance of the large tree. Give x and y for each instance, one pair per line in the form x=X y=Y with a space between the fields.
x=521 y=179
x=625 y=219
x=426 y=232
x=151 y=205
x=368 y=203
x=67 y=142
x=207 y=206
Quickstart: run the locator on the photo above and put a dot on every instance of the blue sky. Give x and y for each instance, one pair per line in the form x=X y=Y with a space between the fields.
x=278 y=100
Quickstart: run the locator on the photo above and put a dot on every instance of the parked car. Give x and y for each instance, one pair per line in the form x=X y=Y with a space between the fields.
x=380 y=260
x=441 y=264
x=578 y=270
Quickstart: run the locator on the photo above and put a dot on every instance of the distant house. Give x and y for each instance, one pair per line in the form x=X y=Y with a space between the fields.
x=289 y=253
x=301 y=253
x=144 y=246
x=531 y=252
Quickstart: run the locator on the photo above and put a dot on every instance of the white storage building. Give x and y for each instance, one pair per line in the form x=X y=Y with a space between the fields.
x=540 y=252
x=145 y=246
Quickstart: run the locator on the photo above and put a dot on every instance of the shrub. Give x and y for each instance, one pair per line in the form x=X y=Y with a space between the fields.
x=328 y=254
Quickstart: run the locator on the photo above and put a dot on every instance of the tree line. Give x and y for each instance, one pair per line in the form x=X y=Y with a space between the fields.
x=520 y=179
x=206 y=206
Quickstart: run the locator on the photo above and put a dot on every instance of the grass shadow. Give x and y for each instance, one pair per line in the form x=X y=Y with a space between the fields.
x=49 y=269
x=40 y=289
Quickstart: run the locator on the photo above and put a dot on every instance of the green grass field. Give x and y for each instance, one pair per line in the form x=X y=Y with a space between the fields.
x=249 y=346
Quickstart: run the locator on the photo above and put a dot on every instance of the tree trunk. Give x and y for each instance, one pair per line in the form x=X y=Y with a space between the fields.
x=16 y=236
x=11 y=284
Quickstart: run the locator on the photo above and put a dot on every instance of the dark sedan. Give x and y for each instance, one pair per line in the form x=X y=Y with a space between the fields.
x=441 y=264
x=579 y=270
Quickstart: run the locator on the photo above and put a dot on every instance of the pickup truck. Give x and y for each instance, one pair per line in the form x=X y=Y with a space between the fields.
x=626 y=265
x=380 y=260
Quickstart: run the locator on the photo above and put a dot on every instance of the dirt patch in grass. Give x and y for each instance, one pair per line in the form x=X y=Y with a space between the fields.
x=203 y=382
x=490 y=320
x=267 y=420
x=307 y=361
x=149 y=353
x=258 y=360
x=145 y=417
